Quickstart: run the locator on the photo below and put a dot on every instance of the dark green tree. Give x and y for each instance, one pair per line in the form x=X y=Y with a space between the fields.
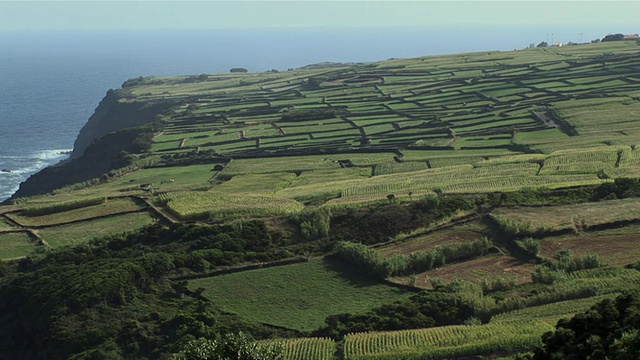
x=609 y=330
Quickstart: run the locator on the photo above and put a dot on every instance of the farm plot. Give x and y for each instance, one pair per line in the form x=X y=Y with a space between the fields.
x=476 y=270
x=15 y=245
x=463 y=233
x=282 y=164
x=446 y=342
x=587 y=116
x=550 y=311
x=4 y=226
x=329 y=175
x=306 y=348
x=161 y=177
x=616 y=247
x=256 y=183
x=589 y=161
x=72 y=234
x=573 y=217
x=298 y=296
x=110 y=207
x=192 y=205
x=394 y=168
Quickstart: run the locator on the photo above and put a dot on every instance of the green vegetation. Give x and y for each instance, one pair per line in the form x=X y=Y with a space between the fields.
x=60 y=207
x=74 y=234
x=104 y=208
x=4 y=226
x=15 y=245
x=608 y=330
x=298 y=296
x=307 y=348
x=446 y=342
x=438 y=207
x=229 y=347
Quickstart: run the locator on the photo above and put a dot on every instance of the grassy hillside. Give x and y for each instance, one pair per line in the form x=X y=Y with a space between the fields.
x=431 y=207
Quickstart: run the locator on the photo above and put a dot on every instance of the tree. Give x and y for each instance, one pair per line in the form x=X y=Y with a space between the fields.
x=230 y=347
x=542 y=44
x=613 y=37
x=609 y=330
x=238 y=70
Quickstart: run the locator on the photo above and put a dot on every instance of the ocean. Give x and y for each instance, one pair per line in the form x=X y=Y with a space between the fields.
x=50 y=82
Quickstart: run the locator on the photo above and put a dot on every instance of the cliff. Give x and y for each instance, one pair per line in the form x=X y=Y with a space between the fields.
x=115 y=126
x=116 y=112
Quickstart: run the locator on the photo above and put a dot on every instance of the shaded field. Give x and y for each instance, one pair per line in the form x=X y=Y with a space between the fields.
x=72 y=234
x=15 y=246
x=446 y=342
x=476 y=270
x=110 y=207
x=463 y=233
x=5 y=226
x=550 y=311
x=298 y=296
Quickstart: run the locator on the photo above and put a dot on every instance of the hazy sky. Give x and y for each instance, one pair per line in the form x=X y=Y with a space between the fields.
x=149 y=15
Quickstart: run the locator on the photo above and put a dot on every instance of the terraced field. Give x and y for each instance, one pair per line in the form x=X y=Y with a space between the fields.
x=576 y=217
x=352 y=135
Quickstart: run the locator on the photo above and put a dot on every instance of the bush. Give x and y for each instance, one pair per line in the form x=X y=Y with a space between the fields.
x=530 y=245
x=314 y=224
x=544 y=275
x=499 y=283
x=566 y=261
x=368 y=261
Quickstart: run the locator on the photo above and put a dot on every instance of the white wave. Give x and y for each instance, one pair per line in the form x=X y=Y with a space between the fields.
x=52 y=154
x=39 y=160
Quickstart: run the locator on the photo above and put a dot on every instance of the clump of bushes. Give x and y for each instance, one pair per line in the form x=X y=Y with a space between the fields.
x=314 y=223
x=566 y=261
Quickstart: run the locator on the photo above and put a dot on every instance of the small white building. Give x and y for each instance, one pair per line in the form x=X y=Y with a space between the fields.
x=557 y=44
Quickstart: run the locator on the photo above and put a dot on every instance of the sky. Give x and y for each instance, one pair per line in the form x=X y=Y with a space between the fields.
x=27 y=15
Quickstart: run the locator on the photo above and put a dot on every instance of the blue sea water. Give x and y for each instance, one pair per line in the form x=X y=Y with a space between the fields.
x=50 y=82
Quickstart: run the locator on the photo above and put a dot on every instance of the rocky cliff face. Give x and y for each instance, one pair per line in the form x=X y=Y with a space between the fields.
x=115 y=112
x=114 y=127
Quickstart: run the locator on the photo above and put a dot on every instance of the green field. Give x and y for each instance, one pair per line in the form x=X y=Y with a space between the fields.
x=15 y=245
x=110 y=207
x=71 y=234
x=298 y=296
x=465 y=110
x=5 y=226
x=573 y=217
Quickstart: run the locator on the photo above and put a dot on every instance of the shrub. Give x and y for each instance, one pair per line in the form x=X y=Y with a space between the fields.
x=530 y=245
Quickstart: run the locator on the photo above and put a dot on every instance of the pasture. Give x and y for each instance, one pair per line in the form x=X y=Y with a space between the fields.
x=298 y=296
x=16 y=245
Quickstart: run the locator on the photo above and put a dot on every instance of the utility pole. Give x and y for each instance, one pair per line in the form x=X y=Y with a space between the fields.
x=580 y=37
x=551 y=38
